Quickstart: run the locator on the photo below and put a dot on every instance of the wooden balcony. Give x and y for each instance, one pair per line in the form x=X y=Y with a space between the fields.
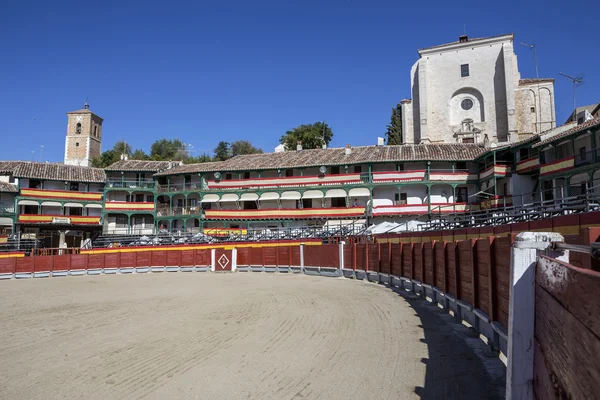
x=60 y=194
x=528 y=165
x=58 y=219
x=115 y=206
x=496 y=170
x=557 y=166
x=421 y=209
x=286 y=213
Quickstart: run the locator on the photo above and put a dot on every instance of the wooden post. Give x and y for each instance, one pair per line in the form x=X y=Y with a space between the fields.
x=521 y=315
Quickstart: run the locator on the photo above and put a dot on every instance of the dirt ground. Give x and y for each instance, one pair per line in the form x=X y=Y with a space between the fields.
x=219 y=336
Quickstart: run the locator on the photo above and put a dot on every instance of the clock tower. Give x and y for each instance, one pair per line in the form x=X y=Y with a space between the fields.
x=84 y=137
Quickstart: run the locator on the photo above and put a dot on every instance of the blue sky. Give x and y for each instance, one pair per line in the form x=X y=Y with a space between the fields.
x=209 y=71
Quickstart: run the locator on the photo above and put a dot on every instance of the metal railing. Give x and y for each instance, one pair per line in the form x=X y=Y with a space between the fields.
x=7 y=209
x=130 y=184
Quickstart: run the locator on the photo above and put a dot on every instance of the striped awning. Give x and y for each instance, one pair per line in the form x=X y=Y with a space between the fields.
x=75 y=205
x=229 y=198
x=51 y=203
x=249 y=196
x=335 y=193
x=269 y=196
x=27 y=203
x=359 y=192
x=312 y=194
x=93 y=206
x=292 y=195
x=209 y=198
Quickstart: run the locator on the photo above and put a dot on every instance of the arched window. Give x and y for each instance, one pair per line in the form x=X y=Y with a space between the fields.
x=78 y=129
x=96 y=130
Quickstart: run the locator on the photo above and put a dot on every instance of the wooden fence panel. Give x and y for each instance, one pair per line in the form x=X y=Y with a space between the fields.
x=203 y=258
x=373 y=257
x=348 y=256
x=173 y=258
x=295 y=250
x=24 y=265
x=113 y=260
x=360 y=253
x=312 y=255
x=187 y=258
x=256 y=256
x=243 y=256
x=270 y=256
x=418 y=261
x=62 y=263
x=158 y=258
x=429 y=263
x=96 y=261
x=452 y=269
x=143 y=259
x=384 y=251
x=79 y=261
x=396 y=266
x=485 y=272
x=330 y=256
x=407 y=265
x=467 y=271
x=43 y=263
x=283 y=256
x=501 y=279
x=567 y=332
x=8 y=265
x=440 y=266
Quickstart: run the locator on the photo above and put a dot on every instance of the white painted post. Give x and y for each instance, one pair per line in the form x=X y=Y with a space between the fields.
x=213 y=259
x=233 y=259
x=341 y=246
x=521 y=315
x=302 y=257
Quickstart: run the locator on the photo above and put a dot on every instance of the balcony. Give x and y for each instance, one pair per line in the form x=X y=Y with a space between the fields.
x=58 y=219
x=116 y=206
x=179 y=187
x=557 y=166
x=496 y=201
x=60 y=194
x=286 y=213
x=177 y=211
x=291 y=181
x=588 y=157
x=497 y=170
x=123 y=184
x=448 y=175
x=421 y=209
x=528 y=165
x=7 y=209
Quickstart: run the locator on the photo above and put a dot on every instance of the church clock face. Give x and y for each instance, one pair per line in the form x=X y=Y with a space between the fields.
x=79 y=118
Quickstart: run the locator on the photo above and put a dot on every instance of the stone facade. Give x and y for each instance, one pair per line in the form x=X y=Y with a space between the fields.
x=470 y=92
x=84 y=137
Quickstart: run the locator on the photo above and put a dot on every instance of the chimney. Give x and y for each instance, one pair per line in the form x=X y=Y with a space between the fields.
x=380 y=141
x=324 y=146
x=348 y=150
x=463 y=39
x=299 y=146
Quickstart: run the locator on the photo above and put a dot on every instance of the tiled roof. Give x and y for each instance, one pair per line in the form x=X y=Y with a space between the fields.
x=6 y=187
x=336 y=156
x=533 y=80
x=579 y=128
x=59 y=172
x=8 y=167
x=141 y=165
x=470 y=40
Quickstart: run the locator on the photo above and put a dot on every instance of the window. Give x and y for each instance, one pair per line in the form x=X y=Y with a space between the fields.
x=335 y=170
x=11 y=179
x=307 y=203
x=582 y=153
x=462 y=194
x=289 y=172
x=78 y=128
x=120 y=221
x=532 y=110
x=246 y=175
x=461 y=165
x=468 y=140
x=96 y=130
x=150 y=199
x=227 y=177
x=464 y=70
x=139 y=198
x=77 y=144
x=34 y=184
x=74 y=187
x=505 y=189
x=128 y=198
x=523 y=154
x=400 y=167
x=338 y=202
x=357 y=169
x=206 y=206
x=466 y=104
x=400 y=198
x=250 y=205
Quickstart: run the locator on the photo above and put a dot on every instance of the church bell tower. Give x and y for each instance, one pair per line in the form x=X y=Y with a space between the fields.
x=84 y=137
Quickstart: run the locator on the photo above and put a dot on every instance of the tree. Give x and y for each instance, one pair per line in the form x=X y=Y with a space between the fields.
x=105 y=159
x=311 y=135
x=222 y=151
x=196 y=160
x=167 y=150
x=394 y=129
x=240 y=147
x=138 y=154
x=121 y=147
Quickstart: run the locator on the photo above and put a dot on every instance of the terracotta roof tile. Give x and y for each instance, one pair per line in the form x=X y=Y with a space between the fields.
x=6 y=187
x=141 y=165
x=59 y=172
x=577 y=129
x=534 y=80
x=336 y=156
x=8 y=167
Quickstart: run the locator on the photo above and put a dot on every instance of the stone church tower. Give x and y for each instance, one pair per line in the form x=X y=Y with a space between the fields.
x=84 y=137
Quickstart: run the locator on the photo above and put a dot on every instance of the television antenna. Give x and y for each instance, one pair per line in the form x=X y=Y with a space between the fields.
x=578 y=80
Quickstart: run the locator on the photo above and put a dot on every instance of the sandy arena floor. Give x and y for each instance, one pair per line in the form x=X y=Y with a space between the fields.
x=219 y=336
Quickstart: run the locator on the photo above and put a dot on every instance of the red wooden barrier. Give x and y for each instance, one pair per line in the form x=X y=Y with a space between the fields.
x=452 y=269
x=407 y=254
x=187 y=258
x=203 y=257
x=295 y=250
x=348 y=256
x=223 y=260
x=24 y=264
x=143 y=259
x=95 y=261
x=396 y=259
x=79 y=261
x=256 y=256
x=158 y=258
x=113 y=260
x=440 y=266
x=418 y=261
x=360 y=256
x=43 y=263
x=385 y=261
x=485 y=272
x=62 y=263
x=501 y=278
x=243 y=256
x=8 y=265
x=283 y=256
x=467 y=271
x=270 y=256
x=373 y=257
x=173 y=258
x=330 y=256
x=428 y=263
x=586 y=237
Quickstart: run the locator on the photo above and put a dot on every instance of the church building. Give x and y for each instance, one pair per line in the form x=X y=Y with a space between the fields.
x=84 y=137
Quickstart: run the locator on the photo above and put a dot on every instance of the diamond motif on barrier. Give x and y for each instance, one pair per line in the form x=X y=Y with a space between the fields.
x=223 y=261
